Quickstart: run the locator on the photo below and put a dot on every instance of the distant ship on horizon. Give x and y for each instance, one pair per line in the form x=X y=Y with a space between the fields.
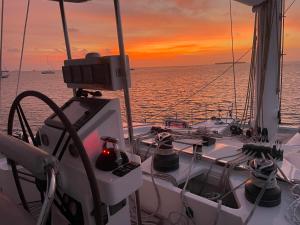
x=48 y=72
x=222 y=63
x=4 y=74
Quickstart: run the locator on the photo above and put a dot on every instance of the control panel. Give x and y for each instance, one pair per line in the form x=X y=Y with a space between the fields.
x=125 y=169
x=79 y=111
x=118 y=173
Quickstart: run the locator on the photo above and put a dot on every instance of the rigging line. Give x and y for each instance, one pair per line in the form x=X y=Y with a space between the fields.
x=251 y=75
x=290 y=5
x=283 y=11
x=259 y=197
x=1 y=53
x=233 y=58
x=23 y=45
x=253 y=70
x=202 y=88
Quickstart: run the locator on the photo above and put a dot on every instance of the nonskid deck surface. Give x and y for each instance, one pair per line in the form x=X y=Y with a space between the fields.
x=170 y=185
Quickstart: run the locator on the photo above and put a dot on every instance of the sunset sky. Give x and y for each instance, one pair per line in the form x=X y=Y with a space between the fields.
x=157 y=32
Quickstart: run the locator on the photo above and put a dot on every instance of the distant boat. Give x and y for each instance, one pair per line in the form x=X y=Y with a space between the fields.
x=5 y=74
x=48 y=72
x=222 y=63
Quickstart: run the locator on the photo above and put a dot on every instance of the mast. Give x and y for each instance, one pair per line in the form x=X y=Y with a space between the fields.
x=267 y=64
x=1 y=53
x=1 y=39
x=66 y=33
x=65 y=28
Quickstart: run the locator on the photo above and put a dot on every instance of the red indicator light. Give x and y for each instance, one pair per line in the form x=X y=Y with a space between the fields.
x=106 y=152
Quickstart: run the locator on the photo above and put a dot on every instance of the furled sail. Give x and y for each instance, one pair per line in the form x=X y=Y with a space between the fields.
x=266 y=64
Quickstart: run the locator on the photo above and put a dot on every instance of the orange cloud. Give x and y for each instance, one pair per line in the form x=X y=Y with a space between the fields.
x=157 y=33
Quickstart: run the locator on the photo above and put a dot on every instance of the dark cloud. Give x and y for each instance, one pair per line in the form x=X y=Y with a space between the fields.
x=73 y=30
x=58 y=50
x=13 y=50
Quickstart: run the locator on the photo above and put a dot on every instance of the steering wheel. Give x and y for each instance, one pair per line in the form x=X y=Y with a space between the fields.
x=27 y=133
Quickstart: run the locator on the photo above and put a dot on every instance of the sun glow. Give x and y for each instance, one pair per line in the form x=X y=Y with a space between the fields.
x=157 y=33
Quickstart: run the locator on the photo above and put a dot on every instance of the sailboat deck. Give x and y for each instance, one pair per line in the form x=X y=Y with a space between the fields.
x=227 y=145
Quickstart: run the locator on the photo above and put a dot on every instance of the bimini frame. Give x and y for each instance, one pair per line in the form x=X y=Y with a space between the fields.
x=124 y=71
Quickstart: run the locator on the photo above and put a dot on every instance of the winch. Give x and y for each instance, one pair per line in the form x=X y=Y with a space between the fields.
x=165 y=159
x=263 y=180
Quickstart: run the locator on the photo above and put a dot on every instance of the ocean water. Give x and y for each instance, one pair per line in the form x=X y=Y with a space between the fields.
x=158 y=92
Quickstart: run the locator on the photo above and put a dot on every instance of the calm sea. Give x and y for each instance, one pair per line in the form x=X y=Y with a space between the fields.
x=159 y=92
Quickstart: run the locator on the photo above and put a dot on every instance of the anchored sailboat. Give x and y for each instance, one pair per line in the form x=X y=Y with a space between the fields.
x=5 y=74
x=49 y=71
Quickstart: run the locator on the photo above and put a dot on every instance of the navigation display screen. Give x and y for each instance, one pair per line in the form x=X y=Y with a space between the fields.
x=78 y=111
x=74 y=112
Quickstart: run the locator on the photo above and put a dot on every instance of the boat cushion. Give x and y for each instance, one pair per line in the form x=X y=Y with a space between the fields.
x=32 y=158
x=11 y=213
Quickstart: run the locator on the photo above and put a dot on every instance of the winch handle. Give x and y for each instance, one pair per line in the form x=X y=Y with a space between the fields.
x=111 y=140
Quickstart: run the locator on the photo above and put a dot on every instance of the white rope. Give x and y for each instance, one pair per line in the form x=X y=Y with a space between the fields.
x=280 y=170
x=281 y=57
x=188 y=176
x=218 y=212
x=155 y=189
x=292 y=215
x=23 y=45
x=183 y=191
x=259 y=197
x=248 y=107
x=259 y=179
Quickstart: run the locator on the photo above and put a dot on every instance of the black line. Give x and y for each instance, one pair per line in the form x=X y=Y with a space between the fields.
x=18 y=184
x=26 y=179
x=24 y=136
x=26 y=174
x=27 y=125
x=64 y=148
x=59 y=142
